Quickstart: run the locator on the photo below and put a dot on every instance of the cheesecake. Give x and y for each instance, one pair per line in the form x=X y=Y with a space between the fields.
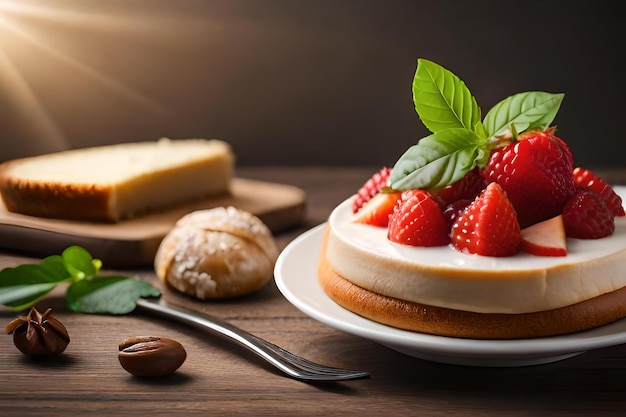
x=117 y=182
x=439 y=290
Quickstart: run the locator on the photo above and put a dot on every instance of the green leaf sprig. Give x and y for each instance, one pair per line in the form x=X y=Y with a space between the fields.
x=88 y=292
x=460 y=141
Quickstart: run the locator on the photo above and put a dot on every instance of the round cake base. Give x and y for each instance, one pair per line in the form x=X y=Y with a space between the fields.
x=441 y=321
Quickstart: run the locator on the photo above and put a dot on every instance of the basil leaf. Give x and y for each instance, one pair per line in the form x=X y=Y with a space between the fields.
x=21 y=297
x=23 y=285
x=533 y=109
x=439 y=159
x=110 y=295
x=442 y=100
x=80 y=263
x=50 y=270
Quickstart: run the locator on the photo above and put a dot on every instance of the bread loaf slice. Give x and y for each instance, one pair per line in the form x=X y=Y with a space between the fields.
x=116 y=182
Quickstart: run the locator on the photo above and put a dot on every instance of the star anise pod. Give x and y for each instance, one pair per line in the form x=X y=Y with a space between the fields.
x=39 y=334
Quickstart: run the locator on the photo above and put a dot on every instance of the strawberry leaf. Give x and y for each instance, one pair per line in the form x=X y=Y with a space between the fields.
x=534 y=109
x=442 y=100
x=439 y=159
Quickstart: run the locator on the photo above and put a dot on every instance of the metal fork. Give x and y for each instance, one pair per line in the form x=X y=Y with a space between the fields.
x=294 y=366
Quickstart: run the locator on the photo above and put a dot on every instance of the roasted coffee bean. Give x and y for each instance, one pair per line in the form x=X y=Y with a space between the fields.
x=151 y=355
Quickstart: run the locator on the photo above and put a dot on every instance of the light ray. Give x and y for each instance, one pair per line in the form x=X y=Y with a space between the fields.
x=108 y=82
x=93 y=21
x=51 y=138
x=19 y=27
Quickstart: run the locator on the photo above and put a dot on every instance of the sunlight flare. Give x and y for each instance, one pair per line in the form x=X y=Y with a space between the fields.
x=25 y=40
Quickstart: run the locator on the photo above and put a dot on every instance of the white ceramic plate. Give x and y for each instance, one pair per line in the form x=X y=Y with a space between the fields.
x=296 y=278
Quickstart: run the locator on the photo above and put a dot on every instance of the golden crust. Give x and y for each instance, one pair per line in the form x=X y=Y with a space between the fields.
x=116 y=182
x=53 y=200
x=423 y=318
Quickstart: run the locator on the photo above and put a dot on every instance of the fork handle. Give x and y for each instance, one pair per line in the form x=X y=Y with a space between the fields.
x=219 y=327
x=213 y=324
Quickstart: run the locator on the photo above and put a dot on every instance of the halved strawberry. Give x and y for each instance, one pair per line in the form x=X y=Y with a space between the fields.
x=546 y=238
x=376 y=211
x=585 y=179
x=417 y=221
x=372 y=186
x=488 y=226
x=586 y=216
x=536 y=173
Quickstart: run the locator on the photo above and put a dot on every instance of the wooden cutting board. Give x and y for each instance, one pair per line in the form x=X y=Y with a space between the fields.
x=134 y=242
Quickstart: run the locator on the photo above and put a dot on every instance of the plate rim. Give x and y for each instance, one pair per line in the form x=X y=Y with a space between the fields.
x=420 y=343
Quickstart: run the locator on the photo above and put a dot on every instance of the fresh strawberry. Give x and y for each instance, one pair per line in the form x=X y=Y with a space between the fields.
x=417 y=221
x=551 y=132
x=586 y=216
x=467 y=188
x=377 y=210
x=536 y=173
x=488 y=226
x=372 y=186
x=546 y=238
x=585 y=179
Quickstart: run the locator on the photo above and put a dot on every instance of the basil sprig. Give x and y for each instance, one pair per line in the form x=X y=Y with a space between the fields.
x=460 y=141
x=88 y=291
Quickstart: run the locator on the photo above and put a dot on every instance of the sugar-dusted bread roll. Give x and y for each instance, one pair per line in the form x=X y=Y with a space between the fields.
x=217 y=253
x=112 y=183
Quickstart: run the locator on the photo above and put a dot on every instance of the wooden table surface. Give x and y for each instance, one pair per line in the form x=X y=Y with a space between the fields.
x=221 y=379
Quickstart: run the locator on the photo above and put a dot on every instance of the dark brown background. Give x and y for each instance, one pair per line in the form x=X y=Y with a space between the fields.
x=298 y=82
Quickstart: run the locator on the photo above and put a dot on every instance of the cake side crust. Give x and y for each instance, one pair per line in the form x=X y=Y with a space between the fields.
x=207 y=173
x=53 y=200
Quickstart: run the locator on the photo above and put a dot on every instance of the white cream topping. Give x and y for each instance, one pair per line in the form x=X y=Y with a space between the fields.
x=444 y=277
